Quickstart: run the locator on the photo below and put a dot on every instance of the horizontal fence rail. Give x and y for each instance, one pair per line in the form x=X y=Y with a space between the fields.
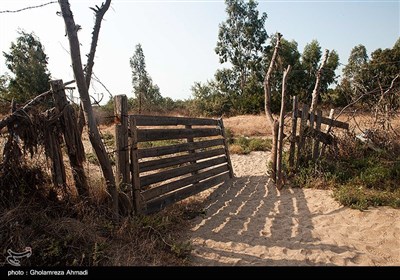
x=173 y=158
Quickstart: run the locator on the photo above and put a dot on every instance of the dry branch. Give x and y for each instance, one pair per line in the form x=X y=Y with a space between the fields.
x=273 y=123
x=317 y=87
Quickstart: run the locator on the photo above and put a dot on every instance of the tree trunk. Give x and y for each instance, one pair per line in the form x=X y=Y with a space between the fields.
x=94 y=135
x=273 y=123
x=279 y=179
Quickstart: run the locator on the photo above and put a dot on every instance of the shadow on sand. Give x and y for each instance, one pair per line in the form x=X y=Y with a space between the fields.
x=249 y=222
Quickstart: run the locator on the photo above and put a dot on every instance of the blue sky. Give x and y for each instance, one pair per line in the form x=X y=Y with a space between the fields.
x=179 y=37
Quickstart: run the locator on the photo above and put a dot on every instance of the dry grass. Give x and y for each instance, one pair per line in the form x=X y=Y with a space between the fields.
x=248 y=125
x=257 y=125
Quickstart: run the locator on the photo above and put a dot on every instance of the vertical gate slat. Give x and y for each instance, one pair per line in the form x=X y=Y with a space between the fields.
x=303 y=124
x=137 y=201
x=316 y=140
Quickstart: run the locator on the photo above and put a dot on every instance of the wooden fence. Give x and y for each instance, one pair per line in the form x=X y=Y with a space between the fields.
x=171 y=158
x=310 y=128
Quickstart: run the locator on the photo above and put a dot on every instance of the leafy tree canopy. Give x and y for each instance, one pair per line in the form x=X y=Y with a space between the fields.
x=27 y=63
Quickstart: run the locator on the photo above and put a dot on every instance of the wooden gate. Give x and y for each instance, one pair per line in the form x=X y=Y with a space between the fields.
x=171 y=158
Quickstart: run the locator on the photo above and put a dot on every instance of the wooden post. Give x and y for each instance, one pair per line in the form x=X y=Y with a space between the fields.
x=137 y=199
x=274 y=150
x=121 y=145
x=267 y=96
x=279 y=179
x=327 y=130
x=54 y=152
x=294 y=131
x=228 y=158
x=310 y=135
x=73 y=141
x=315 y=152
x=303 y=123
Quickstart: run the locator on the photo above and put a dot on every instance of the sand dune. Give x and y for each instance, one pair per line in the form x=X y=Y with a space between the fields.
x=249 y=222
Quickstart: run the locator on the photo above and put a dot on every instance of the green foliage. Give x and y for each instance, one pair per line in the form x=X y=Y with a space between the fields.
x=241 y=38
x=27 y=63
x=371 y=77
x=146 y=92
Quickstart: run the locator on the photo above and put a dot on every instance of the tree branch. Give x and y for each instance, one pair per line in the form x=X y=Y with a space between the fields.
x=317 y=87
x=99 y=13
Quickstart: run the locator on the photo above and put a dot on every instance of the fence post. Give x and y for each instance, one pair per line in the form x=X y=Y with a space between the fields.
x=294 y=131
x=315 y=152
x=137 y=200
x=303 y=124
x=121 y=147
x=228 y=158
x=279 y=179
x=73 y=141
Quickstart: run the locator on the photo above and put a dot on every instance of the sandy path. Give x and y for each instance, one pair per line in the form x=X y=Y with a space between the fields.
x=249 y=222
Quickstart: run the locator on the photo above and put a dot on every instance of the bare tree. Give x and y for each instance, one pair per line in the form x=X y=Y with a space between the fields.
x=273 y=122
x=94 y=135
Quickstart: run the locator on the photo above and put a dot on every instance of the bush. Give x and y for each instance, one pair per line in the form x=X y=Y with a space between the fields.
x=360 y=177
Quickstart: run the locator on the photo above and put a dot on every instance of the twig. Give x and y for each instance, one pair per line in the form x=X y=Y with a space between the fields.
x=27 y=8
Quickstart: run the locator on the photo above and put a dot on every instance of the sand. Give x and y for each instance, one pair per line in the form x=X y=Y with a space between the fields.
x=249 y=223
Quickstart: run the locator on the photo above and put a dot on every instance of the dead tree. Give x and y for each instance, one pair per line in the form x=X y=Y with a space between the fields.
x=99 y=14
x=273 y=122
x=279 y=177
x=315 y=93
x=94 y=135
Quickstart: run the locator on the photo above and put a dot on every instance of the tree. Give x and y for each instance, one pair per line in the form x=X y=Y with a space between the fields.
x=27 y=62
x=310 y=63
x=241 y=38
x=288 y=55
x=145 y=91
x=81 y=82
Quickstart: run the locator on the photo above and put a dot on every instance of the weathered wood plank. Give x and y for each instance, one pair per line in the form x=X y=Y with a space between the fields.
x=137 y=199
x=169 y=174
x=144 y=135
x=171 y=186
x=184 y=147
x=327 y=121
x=294 y=131
x=302 y=134
x=142 y=120
x=122 y=176
x=228 y=158
x=315 y=152
x=160 y=203
x=172 y=161
x=73 y=141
